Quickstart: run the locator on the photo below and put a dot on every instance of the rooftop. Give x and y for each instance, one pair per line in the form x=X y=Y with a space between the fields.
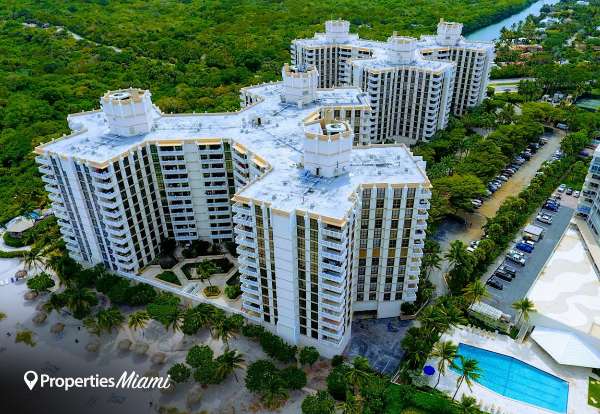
x=278 y=140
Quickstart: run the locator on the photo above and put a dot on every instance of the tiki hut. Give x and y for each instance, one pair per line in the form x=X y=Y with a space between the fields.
x=93 y=346
x=124 y=345
x=159 y=358
x=57 y=328
x=140 y=348
x=30 y=295
x=39 y=318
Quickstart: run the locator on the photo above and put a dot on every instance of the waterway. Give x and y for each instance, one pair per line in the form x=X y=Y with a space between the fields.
x=492 y=32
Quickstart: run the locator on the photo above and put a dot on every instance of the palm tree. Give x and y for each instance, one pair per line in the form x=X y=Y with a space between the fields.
x=79 y=300
x=228 y=363
x=173 y=320
x=475 y=292
x=205 y=270
x=358 y=373
x=457 y=252
x=525 y=307
x=224 y=331
x=55 y=302
x=432 y=258
x=468 y=405
x=34 y=258
x=469 y=372
x=138 y=320
x=352 y=405
x=446 y=352
x=110 y=318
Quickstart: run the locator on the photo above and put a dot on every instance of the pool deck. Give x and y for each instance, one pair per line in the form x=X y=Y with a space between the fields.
x=528 y=352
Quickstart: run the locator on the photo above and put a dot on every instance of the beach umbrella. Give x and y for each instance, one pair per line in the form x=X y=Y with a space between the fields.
x=30 y=295
x=21 y=274
x=57 y=328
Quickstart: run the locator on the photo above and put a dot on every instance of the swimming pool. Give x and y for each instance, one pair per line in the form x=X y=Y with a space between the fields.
x=517 y=380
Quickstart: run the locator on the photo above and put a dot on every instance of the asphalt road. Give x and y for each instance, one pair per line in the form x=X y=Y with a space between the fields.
x=526 y=275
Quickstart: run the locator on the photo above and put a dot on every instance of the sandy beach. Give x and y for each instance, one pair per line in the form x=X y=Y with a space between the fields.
x=65 y=355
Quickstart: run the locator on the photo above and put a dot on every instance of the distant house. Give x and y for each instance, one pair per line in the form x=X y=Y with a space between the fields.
x=548 y=21
x=583 y=3
x=19 y=225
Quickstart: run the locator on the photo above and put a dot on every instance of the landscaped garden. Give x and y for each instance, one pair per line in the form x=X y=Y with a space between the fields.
x=206 y=269
x=169 y=277
x=594 y=393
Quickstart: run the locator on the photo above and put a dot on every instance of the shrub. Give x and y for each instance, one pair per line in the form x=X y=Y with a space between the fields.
x=233 y=292
x=179 y=373
x=25 y=337
x=262 y=375
x=208 y=373
x=253 y=331
x=167 y=262
x=198 y=355
x=276 y=348
x=170 y=277
x=408 y=308
x=40 y=283
x=294 y=378
x=212 y=291
x=337 y=360
x=320 y=403
x=337 y=384
x=309 y=355
x=140 y=294
x=118 y=291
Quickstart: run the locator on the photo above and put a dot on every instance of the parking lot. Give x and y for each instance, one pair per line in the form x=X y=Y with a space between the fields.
x=526 y=275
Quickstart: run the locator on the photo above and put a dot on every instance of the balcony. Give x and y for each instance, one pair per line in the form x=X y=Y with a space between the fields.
x=420 y=225
x=331 y=266
x=333 y=325
x=245 y=260
x=244 y=231
x=336 y=316
x=339 y=235
x=243 y=219
x=117 y=232
x=333 y=306
x=42 y=160
x=335 y=287
x=332 y=244
x=332 y=296
x=103 y=185
x=417 y=252
x=333 y=254
x=101 y=175
x=123 y=249
x=108 y=204
x=111 y=213
x=244 y=241
x=49 y=179
x=55 y=197
x=246 y=270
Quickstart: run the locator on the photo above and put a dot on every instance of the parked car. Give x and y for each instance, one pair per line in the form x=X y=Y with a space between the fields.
x=576 y=194
x=528 y=241
x=473 y=245
x=516 y=257
x=495 y=283
x=561 y=188
x=569 y=191
x=502 y=276
x=544 y=218
x=543 y=141
x=476 y=203
x=550 y=206
x=524 y=247
x=508 y=270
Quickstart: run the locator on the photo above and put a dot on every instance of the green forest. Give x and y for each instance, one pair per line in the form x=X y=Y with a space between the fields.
x=194 y=55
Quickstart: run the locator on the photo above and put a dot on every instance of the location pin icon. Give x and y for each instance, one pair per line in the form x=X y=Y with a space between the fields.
x=31 y=378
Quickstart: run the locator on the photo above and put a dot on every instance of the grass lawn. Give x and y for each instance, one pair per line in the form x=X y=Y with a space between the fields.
x=594 y=393
x=170 y=277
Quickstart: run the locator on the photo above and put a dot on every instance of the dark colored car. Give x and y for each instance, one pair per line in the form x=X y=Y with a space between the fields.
x=495 y=283
x=550 y=206
x=502 y=276
x=508 y=270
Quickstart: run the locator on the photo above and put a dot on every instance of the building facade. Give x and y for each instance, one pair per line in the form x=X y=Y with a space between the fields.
x=324 y=228
x=412 y=85
x=589 y=201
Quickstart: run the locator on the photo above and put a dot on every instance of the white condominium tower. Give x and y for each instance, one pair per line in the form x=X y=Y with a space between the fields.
x=323 y=229
x=589 y=202
x=412 y=85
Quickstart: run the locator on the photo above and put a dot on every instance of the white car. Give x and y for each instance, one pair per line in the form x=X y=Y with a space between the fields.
x=576 y=194
x=561 y=188
x=473 y=245
x=516 y=256
x=544 y=218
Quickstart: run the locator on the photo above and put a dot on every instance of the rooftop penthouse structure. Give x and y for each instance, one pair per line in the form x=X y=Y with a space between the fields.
x=412 y=85
x=323 y=229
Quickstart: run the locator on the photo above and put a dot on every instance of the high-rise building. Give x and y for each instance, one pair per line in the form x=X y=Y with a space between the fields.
x=323 y=229
x=589 y=201
x=412 y=85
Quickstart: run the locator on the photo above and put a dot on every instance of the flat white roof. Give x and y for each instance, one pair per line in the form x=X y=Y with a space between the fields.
x=278 y=140
x=532 y=229
x=567 y=292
